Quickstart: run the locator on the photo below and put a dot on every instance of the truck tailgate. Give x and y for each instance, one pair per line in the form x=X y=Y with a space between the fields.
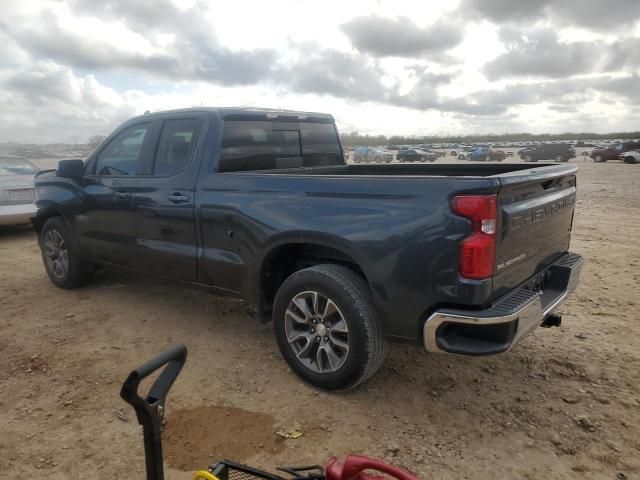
x=534 y=223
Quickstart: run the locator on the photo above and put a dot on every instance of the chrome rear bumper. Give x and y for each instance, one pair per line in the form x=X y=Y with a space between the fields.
x=504 y=324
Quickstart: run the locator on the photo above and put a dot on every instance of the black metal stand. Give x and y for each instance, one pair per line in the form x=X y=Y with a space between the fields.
x=150 y=409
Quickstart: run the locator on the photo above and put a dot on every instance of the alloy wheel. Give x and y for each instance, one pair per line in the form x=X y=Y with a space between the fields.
x=317 y=332
x=56 y=254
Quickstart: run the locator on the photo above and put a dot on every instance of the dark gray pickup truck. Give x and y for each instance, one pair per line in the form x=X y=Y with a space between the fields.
x=463 y=259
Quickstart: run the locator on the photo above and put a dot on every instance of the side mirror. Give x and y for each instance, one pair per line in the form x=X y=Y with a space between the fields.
x=71 y=168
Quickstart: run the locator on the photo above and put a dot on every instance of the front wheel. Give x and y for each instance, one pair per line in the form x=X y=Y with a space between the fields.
x=61 y=258
x=326 y=328
x=599 y=159
x=629 y=159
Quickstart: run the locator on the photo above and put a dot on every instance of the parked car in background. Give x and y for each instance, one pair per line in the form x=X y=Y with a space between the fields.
x=487 y=154
x=632 y=156
x=16 y=191
x=372 y=154
x=612 y=152
x=417 y=155
x=464 y=153
x=560 y=152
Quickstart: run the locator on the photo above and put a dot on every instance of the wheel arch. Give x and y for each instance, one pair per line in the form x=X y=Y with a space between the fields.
x=291 y=253
x=45 y=213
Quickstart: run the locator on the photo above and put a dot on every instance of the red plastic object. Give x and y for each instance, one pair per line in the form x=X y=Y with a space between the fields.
x=354 y=466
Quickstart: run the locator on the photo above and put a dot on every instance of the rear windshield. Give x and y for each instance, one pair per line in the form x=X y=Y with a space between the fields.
x=16 y=166
x=263 y=145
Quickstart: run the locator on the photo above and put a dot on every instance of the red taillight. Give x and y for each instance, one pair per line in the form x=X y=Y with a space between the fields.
x=478 y=251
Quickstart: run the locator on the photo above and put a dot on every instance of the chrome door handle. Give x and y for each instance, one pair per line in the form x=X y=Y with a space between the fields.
x=123 y=196
x=178 y=198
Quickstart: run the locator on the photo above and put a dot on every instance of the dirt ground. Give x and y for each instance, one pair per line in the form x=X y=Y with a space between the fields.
x=563 y=404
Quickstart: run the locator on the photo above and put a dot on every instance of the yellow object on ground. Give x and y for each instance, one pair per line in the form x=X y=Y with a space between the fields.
x=204 y=475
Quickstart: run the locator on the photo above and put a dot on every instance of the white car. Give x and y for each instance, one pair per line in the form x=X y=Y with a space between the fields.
x=16 y=191
x=632 y=156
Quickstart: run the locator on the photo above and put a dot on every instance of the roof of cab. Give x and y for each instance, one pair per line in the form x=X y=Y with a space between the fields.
x=248 y=112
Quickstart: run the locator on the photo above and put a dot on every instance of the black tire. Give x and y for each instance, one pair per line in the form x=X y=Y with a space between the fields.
x=629 y=159
x=349 y=292
x=77 y=273
x=461 y=157
x=599 y=159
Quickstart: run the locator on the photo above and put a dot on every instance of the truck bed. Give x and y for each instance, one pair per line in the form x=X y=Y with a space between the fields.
x=420 y=170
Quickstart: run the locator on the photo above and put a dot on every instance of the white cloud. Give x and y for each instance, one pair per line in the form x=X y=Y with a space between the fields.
x=73 y=68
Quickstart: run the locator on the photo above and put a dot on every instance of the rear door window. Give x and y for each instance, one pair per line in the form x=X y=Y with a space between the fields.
x=175 y=146
x=263 y=145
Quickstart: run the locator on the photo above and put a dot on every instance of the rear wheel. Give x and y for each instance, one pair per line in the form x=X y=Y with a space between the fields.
x=61 y=258
x=599 y=159
x=326 y=328
x=629 y=159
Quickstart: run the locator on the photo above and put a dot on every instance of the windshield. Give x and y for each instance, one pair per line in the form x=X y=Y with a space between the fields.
x=16 y=166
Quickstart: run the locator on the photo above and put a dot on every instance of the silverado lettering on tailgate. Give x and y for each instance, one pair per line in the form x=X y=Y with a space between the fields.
x=538 y=214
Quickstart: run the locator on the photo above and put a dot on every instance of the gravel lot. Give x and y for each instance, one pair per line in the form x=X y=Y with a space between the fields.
x=563 y=404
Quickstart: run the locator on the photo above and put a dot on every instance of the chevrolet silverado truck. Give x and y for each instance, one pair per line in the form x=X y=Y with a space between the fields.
x=260 y=204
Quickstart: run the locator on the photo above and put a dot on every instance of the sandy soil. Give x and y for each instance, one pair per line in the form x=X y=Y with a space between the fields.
x=563 y=404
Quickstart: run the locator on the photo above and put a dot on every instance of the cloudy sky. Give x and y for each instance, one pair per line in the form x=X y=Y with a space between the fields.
x=73 y=68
